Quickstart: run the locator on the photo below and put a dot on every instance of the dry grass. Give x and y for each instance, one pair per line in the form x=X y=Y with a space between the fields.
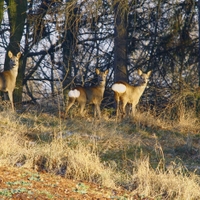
x=106 y=152
x=187 y=121
x=168 y=184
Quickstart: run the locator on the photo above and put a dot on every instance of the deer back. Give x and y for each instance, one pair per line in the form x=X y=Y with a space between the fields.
x=128 y=93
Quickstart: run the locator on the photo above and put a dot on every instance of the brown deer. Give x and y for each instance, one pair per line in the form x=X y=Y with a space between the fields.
x=125 y=93
x=8 y=77
x=91 y=95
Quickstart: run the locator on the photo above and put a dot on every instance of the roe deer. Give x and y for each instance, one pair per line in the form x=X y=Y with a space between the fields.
x=125 y=93
x=91 y=95
x=8 y=77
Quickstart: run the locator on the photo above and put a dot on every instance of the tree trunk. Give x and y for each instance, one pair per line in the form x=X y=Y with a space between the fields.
x=17 y=16
x=1 y=10
x=199 y=41
x=69 y=46
x=120 y=40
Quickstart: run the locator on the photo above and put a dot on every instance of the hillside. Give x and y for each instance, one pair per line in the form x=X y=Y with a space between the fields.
x=43 y=156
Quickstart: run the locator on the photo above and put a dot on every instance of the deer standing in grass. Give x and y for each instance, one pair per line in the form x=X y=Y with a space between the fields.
x=8 y=77
x=125 y=93
x=92 y=95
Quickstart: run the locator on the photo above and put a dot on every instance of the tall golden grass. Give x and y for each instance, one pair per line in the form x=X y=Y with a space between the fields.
x=114 y=154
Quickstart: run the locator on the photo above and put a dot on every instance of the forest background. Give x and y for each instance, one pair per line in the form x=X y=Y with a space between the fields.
x=64 y=41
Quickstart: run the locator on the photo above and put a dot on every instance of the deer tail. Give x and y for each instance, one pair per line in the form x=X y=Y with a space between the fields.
x=74 y=93
x=119 y=87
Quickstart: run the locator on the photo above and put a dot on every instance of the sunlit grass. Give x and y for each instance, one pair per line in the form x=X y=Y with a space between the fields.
x=126 y=153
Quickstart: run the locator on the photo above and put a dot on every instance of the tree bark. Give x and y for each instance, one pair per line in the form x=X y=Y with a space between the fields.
x=120 y=40
x=199 y=41
x=1 y=10
x=69 y=46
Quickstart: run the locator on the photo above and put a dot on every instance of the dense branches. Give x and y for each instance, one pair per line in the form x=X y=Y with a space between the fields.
x=66 y=40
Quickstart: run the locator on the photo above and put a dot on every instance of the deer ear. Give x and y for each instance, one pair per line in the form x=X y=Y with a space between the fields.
x=19 y=55
x=97 y=71
x=10 y=54
x=140 y=72
x=106 y=72
x=149 y=73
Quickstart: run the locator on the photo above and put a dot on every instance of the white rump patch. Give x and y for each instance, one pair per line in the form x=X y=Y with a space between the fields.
x=74 y=93
x=119 y=87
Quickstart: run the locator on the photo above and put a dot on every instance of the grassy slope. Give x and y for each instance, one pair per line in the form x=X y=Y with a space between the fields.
x=146 y=156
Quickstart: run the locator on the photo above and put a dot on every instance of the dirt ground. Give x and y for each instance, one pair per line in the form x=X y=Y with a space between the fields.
x=20 y=183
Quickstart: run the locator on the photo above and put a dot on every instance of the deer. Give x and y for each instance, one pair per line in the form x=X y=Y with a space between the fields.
x=125 y=93
x=91 y=94
x=8 y=77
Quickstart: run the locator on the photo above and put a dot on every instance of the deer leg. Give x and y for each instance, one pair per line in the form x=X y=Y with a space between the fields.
x=133 y=110
x=10 y=95
x=98 y=110
x=70 y=104
x=94 y=110
x=124 y=103
x=117 y=109
x=117 y=104
x=82 y=107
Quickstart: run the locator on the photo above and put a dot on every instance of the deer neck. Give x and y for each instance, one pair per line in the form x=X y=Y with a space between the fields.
x=102 y=85
x=14 y=71
x=141 y=88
